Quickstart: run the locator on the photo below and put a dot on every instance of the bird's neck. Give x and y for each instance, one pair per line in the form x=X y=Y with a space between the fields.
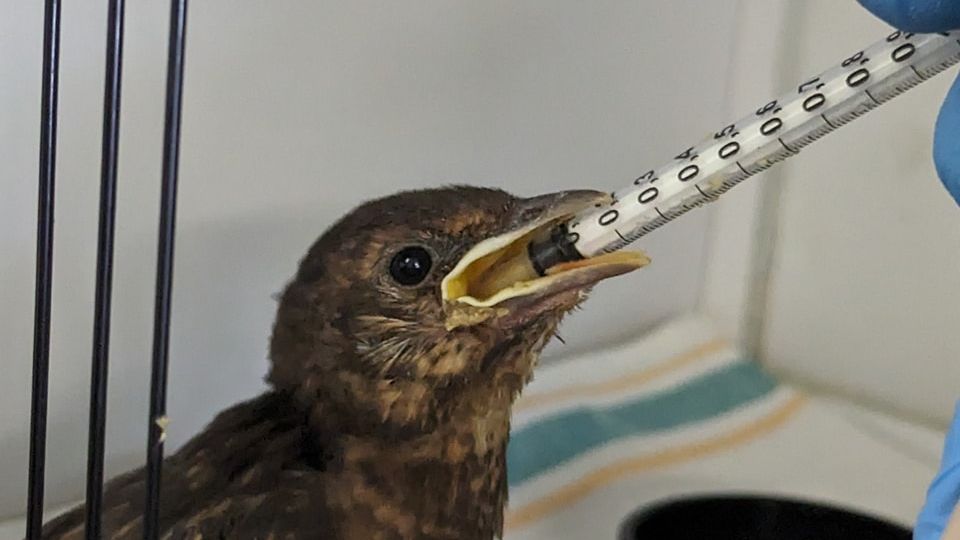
x=445 y=482
x=427 y=462
x=450 y=484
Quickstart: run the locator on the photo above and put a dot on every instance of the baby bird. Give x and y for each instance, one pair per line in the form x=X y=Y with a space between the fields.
x=394 y=366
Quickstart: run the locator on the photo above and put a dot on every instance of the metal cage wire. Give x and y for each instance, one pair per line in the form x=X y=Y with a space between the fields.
x=105 y=248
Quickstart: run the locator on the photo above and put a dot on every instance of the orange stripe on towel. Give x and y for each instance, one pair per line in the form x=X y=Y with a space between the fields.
x=621 y=383
x=573 y=492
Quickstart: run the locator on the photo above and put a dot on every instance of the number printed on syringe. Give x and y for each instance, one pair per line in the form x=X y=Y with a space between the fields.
x=774 y=131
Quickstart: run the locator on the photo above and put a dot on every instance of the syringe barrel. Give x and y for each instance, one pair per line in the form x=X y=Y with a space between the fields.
x=775 y=131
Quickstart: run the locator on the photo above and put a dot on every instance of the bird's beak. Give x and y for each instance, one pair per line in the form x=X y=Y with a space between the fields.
x=497 y=274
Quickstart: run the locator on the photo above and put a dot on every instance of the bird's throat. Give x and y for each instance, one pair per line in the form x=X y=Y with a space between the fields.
x=450 y=485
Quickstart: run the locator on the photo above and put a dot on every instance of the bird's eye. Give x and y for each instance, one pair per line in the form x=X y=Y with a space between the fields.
x=411 y=265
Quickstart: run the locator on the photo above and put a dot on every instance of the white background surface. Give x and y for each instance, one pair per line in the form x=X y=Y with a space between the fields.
x=297 y=111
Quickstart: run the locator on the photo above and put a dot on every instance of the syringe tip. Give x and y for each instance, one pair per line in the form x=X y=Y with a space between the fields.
x=552 y=250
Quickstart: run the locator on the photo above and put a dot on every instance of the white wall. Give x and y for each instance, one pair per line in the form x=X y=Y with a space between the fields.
x=295 y=112
x=864 y=290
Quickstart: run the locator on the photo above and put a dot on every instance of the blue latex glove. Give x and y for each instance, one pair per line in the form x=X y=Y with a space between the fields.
x=943 y=495
x=932 y=16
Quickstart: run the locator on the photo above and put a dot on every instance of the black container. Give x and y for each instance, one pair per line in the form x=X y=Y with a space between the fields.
x=754 y=518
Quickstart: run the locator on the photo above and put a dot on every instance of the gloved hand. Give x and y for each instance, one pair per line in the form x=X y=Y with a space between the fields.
x=944 y=493
x=937 y=16
x=932 y=16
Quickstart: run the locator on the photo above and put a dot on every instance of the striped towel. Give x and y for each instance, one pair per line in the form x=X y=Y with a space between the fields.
x=682 y=412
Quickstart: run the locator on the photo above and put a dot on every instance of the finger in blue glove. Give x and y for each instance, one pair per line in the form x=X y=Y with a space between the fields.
x=944 y=491
x=946 y=145
x=917 y=15
x=932 y=16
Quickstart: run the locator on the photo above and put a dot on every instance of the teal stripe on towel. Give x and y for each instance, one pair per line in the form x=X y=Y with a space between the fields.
x=551 y=441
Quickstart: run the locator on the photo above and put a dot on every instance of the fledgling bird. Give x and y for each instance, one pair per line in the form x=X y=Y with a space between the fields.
x=398 y=349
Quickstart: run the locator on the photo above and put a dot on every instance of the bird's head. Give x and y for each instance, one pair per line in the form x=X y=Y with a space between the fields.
x=399 y=317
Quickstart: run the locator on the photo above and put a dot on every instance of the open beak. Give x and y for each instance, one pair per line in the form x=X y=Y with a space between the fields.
x=497 y=273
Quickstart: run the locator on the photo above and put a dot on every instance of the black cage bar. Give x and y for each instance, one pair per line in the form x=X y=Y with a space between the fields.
x=105 y=244
x=164 y=288
x=44 y=275
x=102 y=295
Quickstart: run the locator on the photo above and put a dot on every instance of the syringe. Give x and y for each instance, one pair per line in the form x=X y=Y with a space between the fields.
x=775 y=131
